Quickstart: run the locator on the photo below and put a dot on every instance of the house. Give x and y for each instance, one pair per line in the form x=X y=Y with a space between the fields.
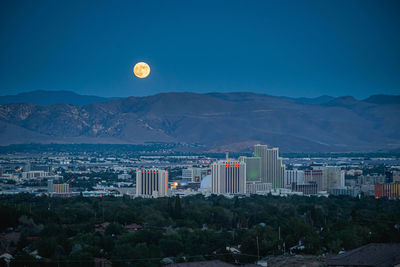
x=234 y=249
x=133 y=227
x=101 y=228
x=102 y=262
x=373 y=255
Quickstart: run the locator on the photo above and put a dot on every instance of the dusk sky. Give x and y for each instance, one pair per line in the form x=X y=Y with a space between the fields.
x=285 y=48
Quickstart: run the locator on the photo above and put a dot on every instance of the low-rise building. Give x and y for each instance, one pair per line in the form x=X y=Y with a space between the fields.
x=124 y=176
x=307 y=189
x=258 y=188
x=372 y=255
x=34 y=174
x=345 y=192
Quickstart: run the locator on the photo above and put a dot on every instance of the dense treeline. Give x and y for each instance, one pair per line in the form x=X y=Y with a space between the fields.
x=192 y=228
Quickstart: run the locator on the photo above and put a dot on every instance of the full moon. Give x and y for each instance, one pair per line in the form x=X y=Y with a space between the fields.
x=141 y=70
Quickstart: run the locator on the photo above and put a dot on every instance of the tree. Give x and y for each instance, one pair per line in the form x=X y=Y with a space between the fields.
x=178 y=208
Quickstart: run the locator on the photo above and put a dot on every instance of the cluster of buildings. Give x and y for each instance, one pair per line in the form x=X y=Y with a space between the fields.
x=262 y=173
x=265 y=173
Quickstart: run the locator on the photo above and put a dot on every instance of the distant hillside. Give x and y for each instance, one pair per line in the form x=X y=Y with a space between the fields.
x=384 y=99
x=52 y=97
x=216 y=122
x=316 y=100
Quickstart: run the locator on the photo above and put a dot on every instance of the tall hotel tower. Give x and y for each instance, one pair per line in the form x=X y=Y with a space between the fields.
x=228 y=177
x=151 y=183
x=272 y=169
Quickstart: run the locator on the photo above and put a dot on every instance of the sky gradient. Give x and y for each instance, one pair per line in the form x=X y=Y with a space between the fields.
x=284 y=48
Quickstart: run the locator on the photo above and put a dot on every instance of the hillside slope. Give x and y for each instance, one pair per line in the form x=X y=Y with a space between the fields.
x=219 y=121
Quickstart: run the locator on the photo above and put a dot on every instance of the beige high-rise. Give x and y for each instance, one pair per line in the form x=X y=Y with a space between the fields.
x=272 y=169
x=151 y=183
x=228 y=177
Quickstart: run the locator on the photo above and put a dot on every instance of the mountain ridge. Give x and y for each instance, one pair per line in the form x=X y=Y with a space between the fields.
x=43 y=97
x=216 y=121
x=50 y=97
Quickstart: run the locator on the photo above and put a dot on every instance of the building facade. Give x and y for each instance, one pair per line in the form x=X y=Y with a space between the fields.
x=306 y=189
x=50 y=186
x=258 y=188
x=272 y=168
x=151 y=183
x=326 y=177
x=34 y=174
x=293 y=176
x=391 y=191
x=371 y=179
x=345 y=192
x=193 y=174
x=253 y=168
x=228 y=177
x=61 y=188
x=317 y=177
x=124 y=176
x=396 y=177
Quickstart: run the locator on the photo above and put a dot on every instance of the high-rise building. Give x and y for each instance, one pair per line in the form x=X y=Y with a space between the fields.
x=388 y=177
x=316 y=176
x=367 y=189
x=253 y=168
x=50 y=186
x=396 y=177
x=27 y=167
x=391 y=191
x=333 y=176
x=326 y=177
x=272 y=168
x=193 y=174
x=228 y=177
x=151 y=183
x=371 y=179
x=61 y=188
x=293 y=176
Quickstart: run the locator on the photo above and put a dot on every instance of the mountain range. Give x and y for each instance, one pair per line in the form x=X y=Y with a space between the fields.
x=216 y=122
x=41 y=97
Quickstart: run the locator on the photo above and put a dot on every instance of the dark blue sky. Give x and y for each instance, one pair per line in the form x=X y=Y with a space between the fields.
x=292 y=48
